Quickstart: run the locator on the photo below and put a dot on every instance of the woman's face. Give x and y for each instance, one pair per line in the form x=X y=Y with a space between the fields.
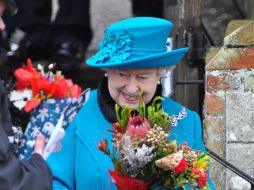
x=125 y=85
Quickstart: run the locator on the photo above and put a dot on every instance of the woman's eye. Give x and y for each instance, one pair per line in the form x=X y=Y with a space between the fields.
x=122 y=74
x=142 y=77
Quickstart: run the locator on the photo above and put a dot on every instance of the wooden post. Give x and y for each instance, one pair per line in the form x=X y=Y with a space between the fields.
x=249 y=6
x=185 y=14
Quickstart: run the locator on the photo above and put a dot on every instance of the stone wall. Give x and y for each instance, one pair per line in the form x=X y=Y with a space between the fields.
x=229 y=104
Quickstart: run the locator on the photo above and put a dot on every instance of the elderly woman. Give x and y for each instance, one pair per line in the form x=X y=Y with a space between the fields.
x=132 y=54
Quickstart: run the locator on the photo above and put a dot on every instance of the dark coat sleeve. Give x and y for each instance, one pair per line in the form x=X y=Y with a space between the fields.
x=16 y=174
x=5 y=116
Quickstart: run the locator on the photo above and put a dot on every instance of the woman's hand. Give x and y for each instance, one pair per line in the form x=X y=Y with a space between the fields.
x=40 y=144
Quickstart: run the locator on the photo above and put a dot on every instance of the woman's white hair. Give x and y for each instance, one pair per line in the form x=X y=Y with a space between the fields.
x=164 y=71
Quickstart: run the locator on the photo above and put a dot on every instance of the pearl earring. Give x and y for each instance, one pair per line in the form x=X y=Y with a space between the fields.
x=158 y=82
x=106 y=74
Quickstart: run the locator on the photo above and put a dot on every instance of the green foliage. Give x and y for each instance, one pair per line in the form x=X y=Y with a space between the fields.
x=122 y=115
x=141 y=109
x=160 y=153
x=153 y=113
x=118 y=167
x=156 y=115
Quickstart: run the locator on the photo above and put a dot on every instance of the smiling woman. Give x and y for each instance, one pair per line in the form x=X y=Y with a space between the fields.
x=133 y=66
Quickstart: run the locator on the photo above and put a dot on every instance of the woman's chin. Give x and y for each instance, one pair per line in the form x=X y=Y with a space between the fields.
x=131 y=104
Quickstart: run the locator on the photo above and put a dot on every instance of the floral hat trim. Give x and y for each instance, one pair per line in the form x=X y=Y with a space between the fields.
x=115 y=47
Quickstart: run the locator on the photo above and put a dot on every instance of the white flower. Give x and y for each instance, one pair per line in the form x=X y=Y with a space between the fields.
x=39 y=67
x=19 y=98
x=136 y=158
x=51 y=66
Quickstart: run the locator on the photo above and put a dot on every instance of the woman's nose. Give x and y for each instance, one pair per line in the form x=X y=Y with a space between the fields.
x=132 y=86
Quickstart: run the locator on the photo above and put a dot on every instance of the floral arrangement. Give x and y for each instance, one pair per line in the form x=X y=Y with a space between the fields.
x=142 y=153
x=34 y=86
x=53 y=102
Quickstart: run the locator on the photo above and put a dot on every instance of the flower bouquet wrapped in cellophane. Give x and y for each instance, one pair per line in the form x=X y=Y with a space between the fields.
x=53 y=102
x=142 y=153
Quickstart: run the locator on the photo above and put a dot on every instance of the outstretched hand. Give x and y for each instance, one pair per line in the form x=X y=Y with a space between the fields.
x=40 y=144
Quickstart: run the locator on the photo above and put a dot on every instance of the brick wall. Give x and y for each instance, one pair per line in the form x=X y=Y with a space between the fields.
x=229 y=104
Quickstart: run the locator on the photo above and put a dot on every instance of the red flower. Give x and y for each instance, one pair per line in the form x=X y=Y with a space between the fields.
x=181 y=166
x=126 y=183
x=60 y=87
x=31 y=104
x=202 y=180
x=75 y=91
x=25 y=75
x=43 y=87
x=103 y=146
x=116 y=127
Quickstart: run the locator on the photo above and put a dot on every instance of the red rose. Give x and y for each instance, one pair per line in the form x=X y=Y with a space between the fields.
x=181 y=166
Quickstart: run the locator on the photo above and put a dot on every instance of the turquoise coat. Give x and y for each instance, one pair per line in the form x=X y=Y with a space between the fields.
x=79 y=165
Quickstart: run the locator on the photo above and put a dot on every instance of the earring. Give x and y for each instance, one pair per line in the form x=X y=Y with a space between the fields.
x=158 y=82
x=106 y=75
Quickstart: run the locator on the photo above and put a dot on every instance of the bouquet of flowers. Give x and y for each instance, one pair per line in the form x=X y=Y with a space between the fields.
x=142 y=153
x=53 y=102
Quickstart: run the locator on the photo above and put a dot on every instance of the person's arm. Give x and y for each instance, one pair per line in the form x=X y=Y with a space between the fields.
x=62 y=163
x=5 y=116
x=14 y=173
x=20 y=174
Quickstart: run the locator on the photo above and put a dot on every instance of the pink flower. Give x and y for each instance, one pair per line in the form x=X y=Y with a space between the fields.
x=201 y=177
x=138 y=127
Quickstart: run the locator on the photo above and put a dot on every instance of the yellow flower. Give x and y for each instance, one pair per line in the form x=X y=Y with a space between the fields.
x=202 y=163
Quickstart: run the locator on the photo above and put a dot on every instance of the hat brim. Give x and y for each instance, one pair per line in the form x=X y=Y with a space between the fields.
x=164 y=59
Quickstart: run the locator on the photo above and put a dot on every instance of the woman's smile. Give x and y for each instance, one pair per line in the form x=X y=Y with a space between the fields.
x=129 y=98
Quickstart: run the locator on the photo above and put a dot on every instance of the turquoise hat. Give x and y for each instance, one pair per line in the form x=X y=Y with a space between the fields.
x=138 y=42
